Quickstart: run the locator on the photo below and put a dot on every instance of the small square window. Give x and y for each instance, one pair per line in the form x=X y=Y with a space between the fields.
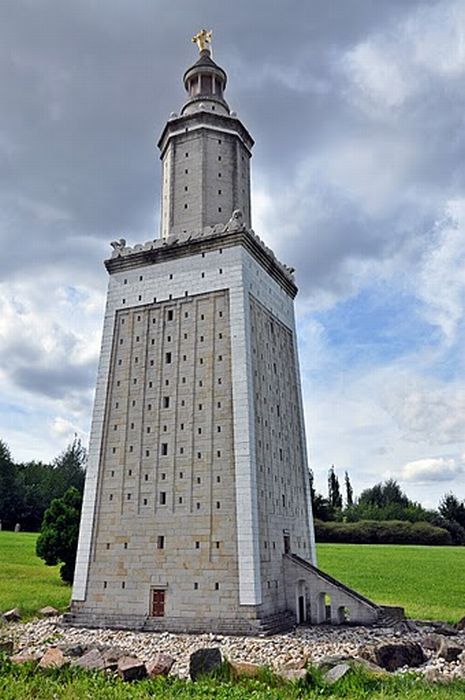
x=217 y=586
x=197 y=545
x=164 y=448
x=161 y=542
x=196 y=586
x=168 y=358
x=166 y=402
x=162 y=498
x=163 y=476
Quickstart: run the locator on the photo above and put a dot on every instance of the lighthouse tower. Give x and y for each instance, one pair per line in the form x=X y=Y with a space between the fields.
x=197 y=512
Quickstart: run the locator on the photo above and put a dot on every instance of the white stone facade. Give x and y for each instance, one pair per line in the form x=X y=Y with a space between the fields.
x=197 y=490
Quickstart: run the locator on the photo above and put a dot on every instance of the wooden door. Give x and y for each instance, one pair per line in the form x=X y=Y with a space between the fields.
x=158 y=603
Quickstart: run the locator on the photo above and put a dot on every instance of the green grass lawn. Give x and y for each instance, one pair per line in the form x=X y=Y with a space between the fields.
x=25 y=581
x=429 y=582
x=21 y=683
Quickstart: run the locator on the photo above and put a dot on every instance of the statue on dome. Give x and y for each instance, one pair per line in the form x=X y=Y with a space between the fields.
x=203 y=39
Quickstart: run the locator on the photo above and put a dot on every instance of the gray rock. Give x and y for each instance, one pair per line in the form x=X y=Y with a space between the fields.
x=460 y=624
x=73 y=650
x=245 y=668
x=92 y=661
x=12 y=615
x=432 y=642
x=160 y=665
x=25 y=658
x=444 y=628
x=48 y=611
x=111 y=656
x=336 y=673
x=6 y=646
x=293 y=674
x=53 y=658
x=449 y=650
x=394 y=655
x=131 y=669
x=204 y=662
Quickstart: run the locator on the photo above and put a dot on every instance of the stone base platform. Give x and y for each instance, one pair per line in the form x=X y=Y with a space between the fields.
x=280 y=622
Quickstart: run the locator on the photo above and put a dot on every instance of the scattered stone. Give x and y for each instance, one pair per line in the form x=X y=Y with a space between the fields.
x=450 y=651
x=444 y=628
x=73 y=650
x=160 y=665
x=24 y=658
x=392 y=656
x=305 y=645
x=12 y=615
x=131 y=669
x=6 y=646
x=432 y=642
x=111 y=656
x=204 y=661
x=293 y=674
x=48 y=611
x=336 y=673
x=53 y=658
x=405 y=626
x=460 y=624
x=245 y=668
x=91 y=660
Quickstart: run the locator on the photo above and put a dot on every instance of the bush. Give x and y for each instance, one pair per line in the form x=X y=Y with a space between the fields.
x=382 y=532
x=59 y=533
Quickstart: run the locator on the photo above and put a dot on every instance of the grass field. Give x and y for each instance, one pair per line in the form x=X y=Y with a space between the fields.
x=428 y=581
x=20 y=683
x=25 y=581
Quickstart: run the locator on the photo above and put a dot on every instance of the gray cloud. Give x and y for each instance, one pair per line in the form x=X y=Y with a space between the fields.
x=357 y=112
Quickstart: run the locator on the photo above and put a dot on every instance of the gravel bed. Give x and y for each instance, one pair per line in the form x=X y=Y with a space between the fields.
x=290 y=650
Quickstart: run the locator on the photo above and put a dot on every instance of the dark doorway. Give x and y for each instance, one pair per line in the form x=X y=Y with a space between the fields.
x=157 y=607
x=301 y=609
x=287 y=544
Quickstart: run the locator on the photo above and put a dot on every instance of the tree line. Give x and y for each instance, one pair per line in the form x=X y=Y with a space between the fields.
x=28 y=488
x=384 y=513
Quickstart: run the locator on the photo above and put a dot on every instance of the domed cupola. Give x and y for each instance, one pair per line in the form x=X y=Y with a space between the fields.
x=205 y=81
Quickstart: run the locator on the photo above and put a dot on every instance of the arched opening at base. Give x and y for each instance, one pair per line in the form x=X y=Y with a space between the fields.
x=301 y=602
x=343 y=615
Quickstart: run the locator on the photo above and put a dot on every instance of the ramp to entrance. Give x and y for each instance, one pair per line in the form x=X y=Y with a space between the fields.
x=316 y=597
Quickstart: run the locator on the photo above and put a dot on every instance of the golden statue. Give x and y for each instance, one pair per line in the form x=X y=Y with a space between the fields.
x=203 y=39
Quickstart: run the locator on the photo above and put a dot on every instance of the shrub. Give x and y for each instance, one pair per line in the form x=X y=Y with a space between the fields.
x=382 y=532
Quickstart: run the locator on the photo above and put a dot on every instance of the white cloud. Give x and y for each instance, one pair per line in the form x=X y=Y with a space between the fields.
x=432 y=469
x=378 y=78
x=439 y=282
x=61 y=427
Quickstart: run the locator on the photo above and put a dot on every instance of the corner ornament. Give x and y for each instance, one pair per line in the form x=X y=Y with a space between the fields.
x=203 y=39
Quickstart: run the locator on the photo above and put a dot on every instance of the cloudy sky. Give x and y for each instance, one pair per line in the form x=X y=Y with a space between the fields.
x=357 y=108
